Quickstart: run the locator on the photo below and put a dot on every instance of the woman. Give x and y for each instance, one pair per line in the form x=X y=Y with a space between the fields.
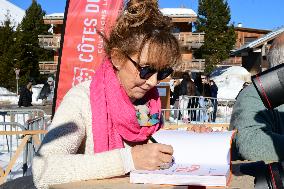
x=101 y=128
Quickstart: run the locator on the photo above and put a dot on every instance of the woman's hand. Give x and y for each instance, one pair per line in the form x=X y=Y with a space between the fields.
x=200 y=129
x=151 y=156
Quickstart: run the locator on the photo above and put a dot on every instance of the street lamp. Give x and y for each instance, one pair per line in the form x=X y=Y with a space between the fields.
x=17 y=72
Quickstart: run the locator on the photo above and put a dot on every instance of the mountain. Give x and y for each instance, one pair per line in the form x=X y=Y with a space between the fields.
x=16 y=13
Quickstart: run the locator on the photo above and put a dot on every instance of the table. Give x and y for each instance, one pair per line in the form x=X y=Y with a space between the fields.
x=238 y=181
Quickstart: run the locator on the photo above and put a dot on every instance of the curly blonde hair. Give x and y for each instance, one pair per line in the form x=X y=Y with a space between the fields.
x=140 y=23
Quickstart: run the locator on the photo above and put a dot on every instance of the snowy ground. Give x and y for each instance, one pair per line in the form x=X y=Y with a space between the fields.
x=5 y=156
x=230 y=80
x=10 y=98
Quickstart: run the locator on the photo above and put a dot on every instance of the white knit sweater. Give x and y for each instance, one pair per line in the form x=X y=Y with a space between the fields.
x=67 y=151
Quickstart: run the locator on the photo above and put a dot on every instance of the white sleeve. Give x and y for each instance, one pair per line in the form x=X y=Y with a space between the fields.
x=57 y=160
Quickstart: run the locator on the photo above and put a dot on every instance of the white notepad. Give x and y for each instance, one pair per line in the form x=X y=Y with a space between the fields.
x=200 y=159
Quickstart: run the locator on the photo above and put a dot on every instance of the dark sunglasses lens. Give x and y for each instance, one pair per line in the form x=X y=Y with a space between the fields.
x=164 y=73
x=146 y=72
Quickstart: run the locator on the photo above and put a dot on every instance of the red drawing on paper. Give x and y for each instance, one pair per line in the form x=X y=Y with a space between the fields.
x=187 y=169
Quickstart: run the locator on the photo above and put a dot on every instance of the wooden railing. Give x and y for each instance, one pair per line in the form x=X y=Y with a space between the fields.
x=49 y=41
x=236 y=61
x=195 y=65
x=27 y=136
x=47 y=67
x=190 y=40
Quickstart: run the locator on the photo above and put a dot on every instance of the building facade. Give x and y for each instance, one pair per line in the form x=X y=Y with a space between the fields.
x=254 y=54
x=243 y=37
x=182 y=18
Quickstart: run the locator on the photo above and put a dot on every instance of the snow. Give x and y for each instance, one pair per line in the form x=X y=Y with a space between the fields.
x=55 y=15
x=229 y=80
x=5 y=156
x=178 y=12
x=16 y=13
x=7 y=97
x=4 y=91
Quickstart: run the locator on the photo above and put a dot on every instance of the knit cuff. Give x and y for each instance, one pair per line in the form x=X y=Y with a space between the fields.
x=127 y=159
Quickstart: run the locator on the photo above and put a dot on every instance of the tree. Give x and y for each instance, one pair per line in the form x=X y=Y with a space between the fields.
x=7 y=47
x=213 y=19
x=30 y=53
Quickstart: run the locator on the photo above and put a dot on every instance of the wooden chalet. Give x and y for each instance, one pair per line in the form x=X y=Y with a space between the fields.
x=253 y=54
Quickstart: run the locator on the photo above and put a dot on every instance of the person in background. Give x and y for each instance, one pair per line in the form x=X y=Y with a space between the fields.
x=183 y=97
x=101 y=128
x=214 y=93
x=175 y=91
x=192 y=103
x=245 y=84
x=198 y=83
x=175 y=100
x=47 y=91
x=26 y=93
x=206 y=91
x=204 y=103
x=260 y=132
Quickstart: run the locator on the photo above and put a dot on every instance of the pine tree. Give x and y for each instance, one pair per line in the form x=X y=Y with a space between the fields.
x=7 y=41
x=213 y=19
x=30 y=53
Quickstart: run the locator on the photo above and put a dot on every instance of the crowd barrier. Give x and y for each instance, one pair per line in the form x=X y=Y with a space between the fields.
x=21 y=131
x=199 y=109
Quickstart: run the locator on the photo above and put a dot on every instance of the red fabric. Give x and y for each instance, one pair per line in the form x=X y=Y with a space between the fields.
x=82 y=48
x=113 y=114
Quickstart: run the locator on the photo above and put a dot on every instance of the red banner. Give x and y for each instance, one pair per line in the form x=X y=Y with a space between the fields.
x=82 y=47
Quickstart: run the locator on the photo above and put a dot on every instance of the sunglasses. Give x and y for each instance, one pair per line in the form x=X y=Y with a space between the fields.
x=146 y=71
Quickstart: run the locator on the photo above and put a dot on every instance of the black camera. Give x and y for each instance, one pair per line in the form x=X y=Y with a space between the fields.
x=267 y=176
x=270 y=86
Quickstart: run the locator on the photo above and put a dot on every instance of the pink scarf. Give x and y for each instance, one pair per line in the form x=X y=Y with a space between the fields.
x=113 y=114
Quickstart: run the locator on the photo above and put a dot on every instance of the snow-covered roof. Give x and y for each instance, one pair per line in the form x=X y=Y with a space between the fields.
x=178 y=12
x=171 y=12
x=260 y=40
x=56 y=16
x=16 y=13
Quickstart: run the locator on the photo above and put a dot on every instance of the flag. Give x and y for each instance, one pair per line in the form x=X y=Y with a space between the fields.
x=81 y=45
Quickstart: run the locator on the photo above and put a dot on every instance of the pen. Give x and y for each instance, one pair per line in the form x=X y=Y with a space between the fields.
x=152 y=139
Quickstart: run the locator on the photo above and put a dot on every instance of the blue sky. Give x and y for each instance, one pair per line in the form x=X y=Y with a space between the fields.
x=260 y=14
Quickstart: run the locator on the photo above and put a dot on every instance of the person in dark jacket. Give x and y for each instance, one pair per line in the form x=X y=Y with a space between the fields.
x=214 y=92
x=175 y=98
x=193 y=101
x=26 y=95
x=198 y=83
x=206 y=92
x=183 y=84
x=46 y=90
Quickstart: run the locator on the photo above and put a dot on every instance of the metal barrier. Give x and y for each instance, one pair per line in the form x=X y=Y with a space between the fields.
x=199 y=109
x=21 y=131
